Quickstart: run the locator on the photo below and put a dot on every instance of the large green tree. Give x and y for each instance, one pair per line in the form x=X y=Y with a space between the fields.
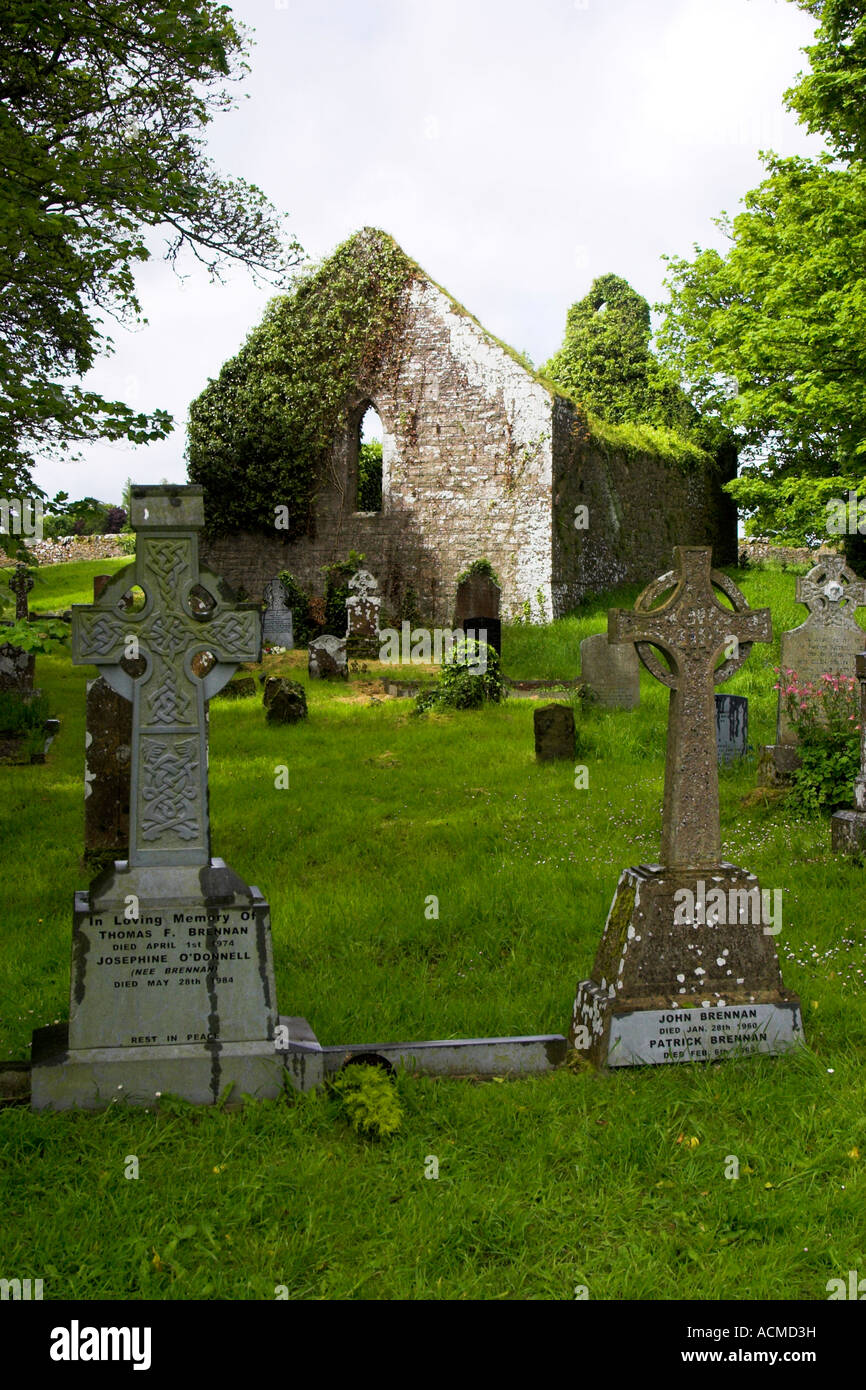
x=102 y=111
x=770 y=334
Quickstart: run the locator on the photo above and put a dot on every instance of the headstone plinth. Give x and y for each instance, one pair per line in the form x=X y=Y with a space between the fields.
x=685 y=983
x=687 y=968
x=172 y=983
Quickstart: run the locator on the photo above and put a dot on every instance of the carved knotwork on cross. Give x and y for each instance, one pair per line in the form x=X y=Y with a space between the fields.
x=693 y=630
x=186 y=611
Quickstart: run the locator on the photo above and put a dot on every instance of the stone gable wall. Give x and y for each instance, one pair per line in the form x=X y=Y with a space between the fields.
x=480 y=460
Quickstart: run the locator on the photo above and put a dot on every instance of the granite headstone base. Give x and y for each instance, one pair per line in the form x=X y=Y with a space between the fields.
x=848 y=832
x=687 y=970
x=172 y=990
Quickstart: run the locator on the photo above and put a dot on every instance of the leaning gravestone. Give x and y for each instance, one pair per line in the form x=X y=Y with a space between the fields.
x=848 y=828
x=554 y=733
x=277 y=629
x=611 y=672
x=362 y=613
x=477 y=610
x=682 y=974
x=732 y=727
x=172 y=984
x=827 y=643
x=327 y=658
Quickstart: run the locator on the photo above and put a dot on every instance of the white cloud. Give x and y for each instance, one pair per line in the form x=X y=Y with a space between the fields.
x=515 y=151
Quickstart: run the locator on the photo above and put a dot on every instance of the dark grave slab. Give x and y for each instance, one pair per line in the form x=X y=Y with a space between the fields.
x=554 y=733
x=285 y=701
x=732 y=727
x=479 y=596
x=488 y=630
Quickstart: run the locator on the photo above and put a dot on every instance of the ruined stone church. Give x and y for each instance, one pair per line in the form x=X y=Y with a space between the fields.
x=481 y=458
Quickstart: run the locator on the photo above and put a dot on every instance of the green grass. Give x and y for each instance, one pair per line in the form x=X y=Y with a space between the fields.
x=545 y=1184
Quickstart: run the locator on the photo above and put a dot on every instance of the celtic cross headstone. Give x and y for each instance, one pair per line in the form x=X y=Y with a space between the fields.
x=21 y=584
x=687 y=968
x=172 y=976
x=830 y=639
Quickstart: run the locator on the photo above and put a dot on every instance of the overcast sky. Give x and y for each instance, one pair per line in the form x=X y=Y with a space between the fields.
x=515 y=148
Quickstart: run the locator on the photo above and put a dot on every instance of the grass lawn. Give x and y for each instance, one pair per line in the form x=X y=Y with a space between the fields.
x=616 y=1183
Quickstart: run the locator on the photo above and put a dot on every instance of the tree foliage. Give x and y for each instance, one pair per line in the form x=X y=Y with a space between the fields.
x=102 y=109
x=769 y=336
x=607 y=365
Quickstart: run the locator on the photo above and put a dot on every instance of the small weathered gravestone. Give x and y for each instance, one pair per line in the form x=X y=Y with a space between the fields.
x=687 y=968
x=277 y=628
x=827 y=643
x=240 y=688
x=477 y=609
x=362 y=613
x=848 y=830
x=611 y=672
x=284 y=700
x=554 y=733
x=327 y=659
x=21 y=583
x=172 y=983
x=732 y=727
x=17 y=669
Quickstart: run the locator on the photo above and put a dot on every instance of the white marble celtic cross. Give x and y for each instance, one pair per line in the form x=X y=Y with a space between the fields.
x=693 y=630
x=186 y=611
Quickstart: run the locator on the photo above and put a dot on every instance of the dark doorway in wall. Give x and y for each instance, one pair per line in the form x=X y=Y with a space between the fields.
x=369 y=461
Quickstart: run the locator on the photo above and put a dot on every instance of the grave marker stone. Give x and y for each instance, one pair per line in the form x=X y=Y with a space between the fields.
x=20 y=584
x=172 y=984
x=277 y=628
x=554 y=733
x=327 y=658
x=612 y=672
x=17 y=669
x=826 y=643
x=732 y=727
x=682 y=973
x=362 y=612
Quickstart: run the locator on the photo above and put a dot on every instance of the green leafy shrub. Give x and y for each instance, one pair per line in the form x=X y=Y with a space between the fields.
x=337 y=591
x=368 y=1100
x=19 y=716
x=370 y=477
x=471 y=675
x=825 y=715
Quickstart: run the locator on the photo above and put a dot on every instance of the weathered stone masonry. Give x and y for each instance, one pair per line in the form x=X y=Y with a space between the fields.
x=481 y=459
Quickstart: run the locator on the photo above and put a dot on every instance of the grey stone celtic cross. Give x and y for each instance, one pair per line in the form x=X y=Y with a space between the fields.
x=832 y=592
x=186 y=611
x=693 y=630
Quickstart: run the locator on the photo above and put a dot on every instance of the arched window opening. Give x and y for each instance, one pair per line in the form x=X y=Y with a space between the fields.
x=370 y=461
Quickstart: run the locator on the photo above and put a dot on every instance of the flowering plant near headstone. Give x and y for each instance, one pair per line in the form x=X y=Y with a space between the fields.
x=825 y=715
